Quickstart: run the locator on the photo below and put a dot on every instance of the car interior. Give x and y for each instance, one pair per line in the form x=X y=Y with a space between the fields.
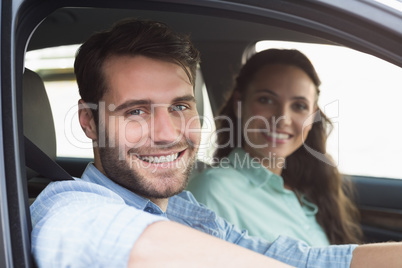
x=37 y=109
x=225 y=34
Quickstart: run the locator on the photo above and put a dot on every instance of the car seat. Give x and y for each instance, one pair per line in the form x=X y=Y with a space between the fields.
x=38 y=125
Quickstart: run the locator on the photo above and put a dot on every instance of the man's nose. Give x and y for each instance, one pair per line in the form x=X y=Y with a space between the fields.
x=165 y=127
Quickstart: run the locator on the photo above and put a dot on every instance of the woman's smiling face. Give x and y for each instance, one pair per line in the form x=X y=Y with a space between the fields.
x=277 y=110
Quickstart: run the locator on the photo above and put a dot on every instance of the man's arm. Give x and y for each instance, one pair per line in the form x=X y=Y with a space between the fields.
x=377 y=255
x=169 y=244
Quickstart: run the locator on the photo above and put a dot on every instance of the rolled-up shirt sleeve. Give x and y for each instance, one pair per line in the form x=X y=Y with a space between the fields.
x=291 y=251
x=80 y=227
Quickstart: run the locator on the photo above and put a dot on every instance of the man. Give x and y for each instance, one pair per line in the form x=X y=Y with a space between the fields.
x=129 y=208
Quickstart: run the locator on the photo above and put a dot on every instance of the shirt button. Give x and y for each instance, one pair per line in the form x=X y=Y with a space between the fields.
x=149 y=209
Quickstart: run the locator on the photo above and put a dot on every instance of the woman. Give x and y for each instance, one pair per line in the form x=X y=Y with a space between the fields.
x=273 y=176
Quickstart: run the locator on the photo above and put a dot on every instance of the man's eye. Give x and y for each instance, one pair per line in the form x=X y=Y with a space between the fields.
x=136 y=112
x=177 y=108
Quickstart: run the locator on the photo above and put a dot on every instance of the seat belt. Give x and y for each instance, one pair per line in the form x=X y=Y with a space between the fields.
x=37 y=160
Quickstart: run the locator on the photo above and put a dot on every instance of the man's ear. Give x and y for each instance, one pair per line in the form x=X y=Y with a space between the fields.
x=237 y=104
x=87 y=120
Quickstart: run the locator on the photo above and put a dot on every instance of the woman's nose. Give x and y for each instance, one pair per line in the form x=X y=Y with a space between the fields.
x=282 y=117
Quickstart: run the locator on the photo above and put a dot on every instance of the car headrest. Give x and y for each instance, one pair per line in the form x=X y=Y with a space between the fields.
x=37 y=116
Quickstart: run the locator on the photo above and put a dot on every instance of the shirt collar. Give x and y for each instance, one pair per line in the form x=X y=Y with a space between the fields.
x=259 y=175
x=92 y=174
x=309 y=208
x=253 y=170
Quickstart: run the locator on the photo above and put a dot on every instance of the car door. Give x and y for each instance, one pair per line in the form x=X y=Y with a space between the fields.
x=14 y=213
x=368 y=26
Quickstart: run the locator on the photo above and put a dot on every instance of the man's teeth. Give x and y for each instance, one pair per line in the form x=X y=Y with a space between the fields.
x=159 y=159
x=278 y=136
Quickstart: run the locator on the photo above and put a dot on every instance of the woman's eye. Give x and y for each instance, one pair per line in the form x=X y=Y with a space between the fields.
x=265 y=100
x=177 y=108
x=136 y=112
x=301 y=106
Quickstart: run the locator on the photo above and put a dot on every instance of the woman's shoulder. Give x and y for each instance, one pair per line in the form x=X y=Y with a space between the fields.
x=217 y=172
x=215 y=179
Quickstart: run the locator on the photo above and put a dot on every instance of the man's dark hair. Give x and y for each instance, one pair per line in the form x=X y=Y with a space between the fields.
x=133 y=38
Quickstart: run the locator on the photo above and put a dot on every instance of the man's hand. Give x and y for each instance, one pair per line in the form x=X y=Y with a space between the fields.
x=378 y=255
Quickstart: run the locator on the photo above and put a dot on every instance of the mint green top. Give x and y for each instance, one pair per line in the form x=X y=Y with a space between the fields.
x=253 y=198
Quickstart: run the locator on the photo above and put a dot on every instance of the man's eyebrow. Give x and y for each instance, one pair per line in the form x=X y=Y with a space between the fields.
x=185 y=98
x=131 y=103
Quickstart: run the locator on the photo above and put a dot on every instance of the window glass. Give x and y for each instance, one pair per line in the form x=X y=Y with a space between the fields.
x=395 y=4
x=208 y=134
x=361 y=94
x=55 y=66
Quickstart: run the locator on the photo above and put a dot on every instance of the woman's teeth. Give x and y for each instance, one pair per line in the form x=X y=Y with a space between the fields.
x=279 y=136
x=159 y=159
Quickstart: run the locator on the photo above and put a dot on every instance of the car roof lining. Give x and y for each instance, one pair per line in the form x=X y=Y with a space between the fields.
x=222 y=34
x=75 y=25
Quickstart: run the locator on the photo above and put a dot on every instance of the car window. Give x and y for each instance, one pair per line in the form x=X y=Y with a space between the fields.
x=361 y=94
x=355 y=94
x=208 y=131
x=55 y=66
x=393 y=4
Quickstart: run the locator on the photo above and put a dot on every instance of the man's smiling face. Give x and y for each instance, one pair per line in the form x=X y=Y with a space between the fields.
x=149 y=126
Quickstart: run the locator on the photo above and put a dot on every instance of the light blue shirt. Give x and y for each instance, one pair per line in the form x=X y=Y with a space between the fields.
x=94 y=222
x=250 y=196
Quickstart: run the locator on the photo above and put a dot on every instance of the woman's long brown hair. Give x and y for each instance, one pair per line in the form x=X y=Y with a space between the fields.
x=320 y=182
